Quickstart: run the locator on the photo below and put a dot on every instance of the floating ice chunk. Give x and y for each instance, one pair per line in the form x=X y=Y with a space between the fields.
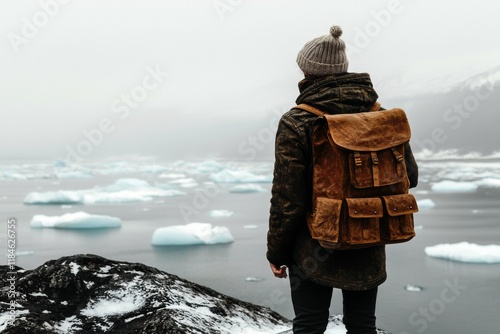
x=233 y=176
x=24 y=253
x=250 y=227
x=413 y=288
x=489 y=183
x=253 y=279
x=9 y=175
x=128 y=190
x=152 y=169
x=247 y=188
x=185 y=182
x=73 y=174
x=171 y=176
x=54 y=197
x=123 y=190
x=77 y=220
x=191 y=234
x=221 y=213
x=206 y=167
x=426 y=203
x=448 y=187
x=465 y=252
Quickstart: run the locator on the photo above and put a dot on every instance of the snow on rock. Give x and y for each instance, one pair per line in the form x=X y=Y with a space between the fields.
x=449 y=187
x=335 y=326
x=191 y=234
x=133 y=298
x=465 y=252
x=122 y=191
x=77 y=220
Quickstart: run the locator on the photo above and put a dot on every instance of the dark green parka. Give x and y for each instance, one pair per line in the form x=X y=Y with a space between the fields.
x=288 y=241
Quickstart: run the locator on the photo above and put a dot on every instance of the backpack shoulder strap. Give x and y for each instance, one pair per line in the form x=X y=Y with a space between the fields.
x=376 y=107
x=310 y=109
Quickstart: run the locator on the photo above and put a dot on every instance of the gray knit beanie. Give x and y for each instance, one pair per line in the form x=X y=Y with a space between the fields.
x=324 y=55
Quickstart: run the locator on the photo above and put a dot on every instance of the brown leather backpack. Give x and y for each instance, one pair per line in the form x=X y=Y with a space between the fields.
x=360 y=183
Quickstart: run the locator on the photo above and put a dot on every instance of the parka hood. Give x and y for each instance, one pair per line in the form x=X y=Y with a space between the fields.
x=342 y=93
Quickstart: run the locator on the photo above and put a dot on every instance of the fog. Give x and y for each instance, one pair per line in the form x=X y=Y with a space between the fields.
x=89 y=79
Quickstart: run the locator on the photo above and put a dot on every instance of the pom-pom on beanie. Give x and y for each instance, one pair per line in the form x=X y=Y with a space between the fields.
x=324 y=55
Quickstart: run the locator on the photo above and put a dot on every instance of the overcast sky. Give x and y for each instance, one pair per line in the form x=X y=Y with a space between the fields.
x=175 y=78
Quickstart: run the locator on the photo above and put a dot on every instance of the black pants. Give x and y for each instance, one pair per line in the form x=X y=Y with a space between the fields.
x=311 y=304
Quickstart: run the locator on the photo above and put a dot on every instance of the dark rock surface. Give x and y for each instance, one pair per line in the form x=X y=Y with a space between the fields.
x=90 y=294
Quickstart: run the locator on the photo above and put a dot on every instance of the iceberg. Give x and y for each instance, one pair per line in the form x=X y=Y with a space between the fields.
x=465 y=252
x=54 y=197
x=247 y=188
x=426 y=203
x=185 y=182
x=489 y=183
x=73 y=174
x=122 y=191
x=191 y=234
x=450 y=187
x=77 y=220
x=221 y=213
x=234 y=176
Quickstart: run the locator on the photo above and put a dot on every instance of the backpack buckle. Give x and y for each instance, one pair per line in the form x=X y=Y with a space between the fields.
x=357 y=159
x=397 y=155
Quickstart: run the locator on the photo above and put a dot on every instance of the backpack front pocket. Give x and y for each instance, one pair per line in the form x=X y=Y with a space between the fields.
x=363 y=215
x=375 y=169
x=397 y=225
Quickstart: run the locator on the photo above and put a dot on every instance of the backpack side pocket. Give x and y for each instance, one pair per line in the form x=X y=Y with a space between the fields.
x=397 y=224
x=324 y=222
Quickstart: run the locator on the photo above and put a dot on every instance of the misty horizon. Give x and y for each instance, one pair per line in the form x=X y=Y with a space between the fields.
x=186 y=80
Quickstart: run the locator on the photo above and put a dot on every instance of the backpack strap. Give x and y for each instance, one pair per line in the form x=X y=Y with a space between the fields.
x=310 y=109
x=376 y=107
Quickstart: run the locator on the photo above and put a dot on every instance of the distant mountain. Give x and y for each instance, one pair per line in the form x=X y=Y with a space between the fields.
x=464 y=118
x=450 y=111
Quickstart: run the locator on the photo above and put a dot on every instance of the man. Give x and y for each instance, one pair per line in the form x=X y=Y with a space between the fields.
x=315 y=271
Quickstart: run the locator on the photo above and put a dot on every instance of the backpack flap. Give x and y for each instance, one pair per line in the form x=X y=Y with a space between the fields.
x=369 y=131
x=375 y=142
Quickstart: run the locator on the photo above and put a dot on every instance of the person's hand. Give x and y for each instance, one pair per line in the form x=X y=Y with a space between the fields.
x=278 y=272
